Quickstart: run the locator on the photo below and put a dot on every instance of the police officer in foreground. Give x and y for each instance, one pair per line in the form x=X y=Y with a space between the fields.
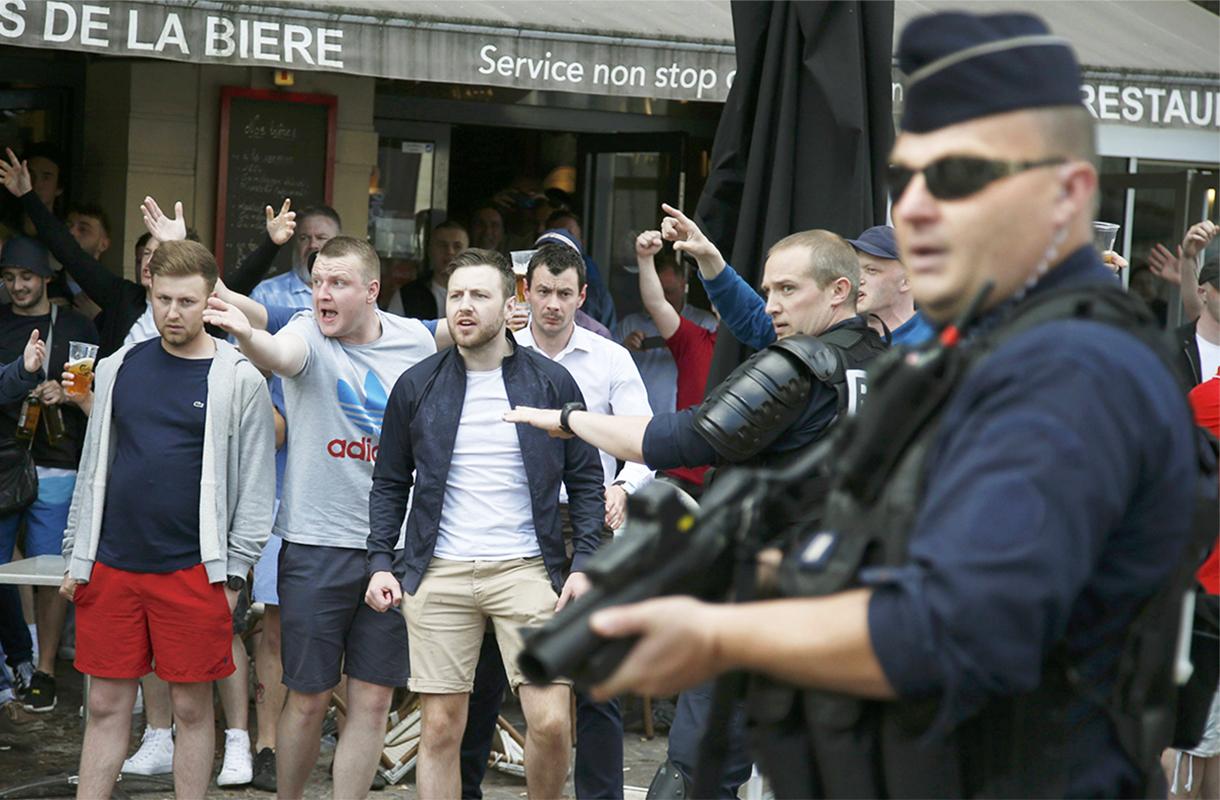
x=1012 y=507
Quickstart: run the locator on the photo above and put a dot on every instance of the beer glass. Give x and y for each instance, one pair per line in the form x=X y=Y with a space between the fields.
x=1104 y=234
x=81 y=356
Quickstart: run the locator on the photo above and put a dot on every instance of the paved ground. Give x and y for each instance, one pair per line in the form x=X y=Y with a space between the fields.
x=58 y=750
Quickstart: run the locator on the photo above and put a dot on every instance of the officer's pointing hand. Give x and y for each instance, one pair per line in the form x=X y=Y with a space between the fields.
x=546 y=419
x=676 y=650
x=384 y=592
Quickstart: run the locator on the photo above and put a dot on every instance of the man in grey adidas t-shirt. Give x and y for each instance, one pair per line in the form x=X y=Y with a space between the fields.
x=338 y=363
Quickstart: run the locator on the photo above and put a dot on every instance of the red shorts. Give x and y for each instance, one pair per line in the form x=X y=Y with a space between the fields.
x=126 y=621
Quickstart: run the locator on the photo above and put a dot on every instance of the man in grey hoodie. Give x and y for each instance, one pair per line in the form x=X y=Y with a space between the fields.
x=171 y=510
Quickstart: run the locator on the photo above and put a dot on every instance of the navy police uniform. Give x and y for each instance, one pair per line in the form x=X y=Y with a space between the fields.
x=1018 y=534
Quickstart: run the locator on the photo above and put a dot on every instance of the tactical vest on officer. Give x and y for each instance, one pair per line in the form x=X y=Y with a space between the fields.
x=822 y=744
x=767 y=394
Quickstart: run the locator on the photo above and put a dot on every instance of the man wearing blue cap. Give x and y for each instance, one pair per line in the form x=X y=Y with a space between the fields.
x=885 y=297
x=990 y=602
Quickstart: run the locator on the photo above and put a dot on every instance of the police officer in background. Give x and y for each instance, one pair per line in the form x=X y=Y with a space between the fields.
x=773 y=407
x=1008 y=504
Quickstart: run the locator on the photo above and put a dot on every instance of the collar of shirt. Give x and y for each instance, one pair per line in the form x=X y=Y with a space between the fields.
x=581 y=339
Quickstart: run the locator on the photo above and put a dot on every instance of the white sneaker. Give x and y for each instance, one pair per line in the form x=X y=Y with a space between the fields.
x=155 y=756
x=238 y=767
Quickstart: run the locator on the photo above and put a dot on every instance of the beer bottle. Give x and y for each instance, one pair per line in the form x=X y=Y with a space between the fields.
x=53 y=419
x=27 y=420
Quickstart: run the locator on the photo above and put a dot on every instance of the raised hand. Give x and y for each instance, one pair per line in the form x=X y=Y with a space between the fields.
x=685 y=234
x=14 y=174
x=648 y=244
x=1198 y=237
x=162 y=228
x=1164 y=264
x=228 y=318
x=281 y=226
x=35 y=352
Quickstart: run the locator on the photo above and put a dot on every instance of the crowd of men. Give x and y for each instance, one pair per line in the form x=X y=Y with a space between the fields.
x=406 y=477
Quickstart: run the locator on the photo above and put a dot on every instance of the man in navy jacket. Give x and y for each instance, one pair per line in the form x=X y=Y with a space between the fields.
x=483 y=540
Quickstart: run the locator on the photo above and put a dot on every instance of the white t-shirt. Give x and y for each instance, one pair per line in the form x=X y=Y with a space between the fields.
x=1209 y=357
x=335 y=405
x=486 y=514
x=145 y=328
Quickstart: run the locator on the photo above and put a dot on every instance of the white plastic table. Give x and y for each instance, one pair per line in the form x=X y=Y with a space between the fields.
x=35 y=571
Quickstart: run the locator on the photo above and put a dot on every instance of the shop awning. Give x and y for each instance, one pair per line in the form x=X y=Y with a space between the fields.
x=1129 y=36
x=1146 y=63
x=679 y=49
x=682 y=49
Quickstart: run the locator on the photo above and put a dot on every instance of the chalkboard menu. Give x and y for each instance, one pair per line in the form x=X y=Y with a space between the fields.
x=273 y=145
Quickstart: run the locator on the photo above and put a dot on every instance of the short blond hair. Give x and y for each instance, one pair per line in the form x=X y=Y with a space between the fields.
x=362 y=251
x=830 y=257
x=180 y=259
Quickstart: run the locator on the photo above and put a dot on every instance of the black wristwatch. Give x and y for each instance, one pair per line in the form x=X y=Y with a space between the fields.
x=568 y=408
x=236 y=583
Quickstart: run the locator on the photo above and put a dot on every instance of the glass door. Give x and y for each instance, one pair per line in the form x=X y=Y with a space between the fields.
x=624 y=179
x=1156 y=208
x=408 y=195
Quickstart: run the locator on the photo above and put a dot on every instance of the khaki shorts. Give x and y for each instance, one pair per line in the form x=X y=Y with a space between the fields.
x=447 y=616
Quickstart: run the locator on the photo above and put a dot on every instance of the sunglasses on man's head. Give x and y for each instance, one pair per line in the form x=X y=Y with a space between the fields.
x=956 y=177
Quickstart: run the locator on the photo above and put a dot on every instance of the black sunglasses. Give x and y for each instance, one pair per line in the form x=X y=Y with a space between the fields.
x=955 y=177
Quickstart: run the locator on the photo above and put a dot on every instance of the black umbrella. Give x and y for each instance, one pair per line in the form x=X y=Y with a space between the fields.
x=804 y=134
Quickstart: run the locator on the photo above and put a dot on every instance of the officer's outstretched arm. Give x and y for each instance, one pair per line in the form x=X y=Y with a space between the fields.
x=818 y=643
x=621 y=437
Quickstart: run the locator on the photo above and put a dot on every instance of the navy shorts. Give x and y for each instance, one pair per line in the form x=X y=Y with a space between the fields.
x=326 y=627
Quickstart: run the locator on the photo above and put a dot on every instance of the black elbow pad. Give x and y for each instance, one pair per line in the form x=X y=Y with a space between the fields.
x=764 y=396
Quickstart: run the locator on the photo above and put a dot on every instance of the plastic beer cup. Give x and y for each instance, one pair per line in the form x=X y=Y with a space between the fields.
x=81 y=356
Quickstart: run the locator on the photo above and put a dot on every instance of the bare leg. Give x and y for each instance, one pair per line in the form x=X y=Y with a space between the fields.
x=106 y=734
x=270 y=694
x=235 y=689
x=360 y=746
x=1211 y=777
x=341 y=692
x=157 y=711
x=50 y=609
x=548 y=738
x=196 y=740
x=444 y=719
x=298 y=737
